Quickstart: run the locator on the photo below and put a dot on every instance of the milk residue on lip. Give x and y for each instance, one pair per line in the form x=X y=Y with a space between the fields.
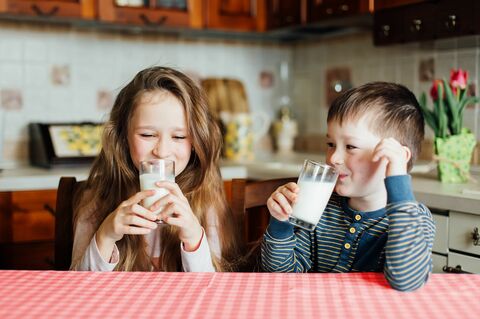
x=311 y=201
x=147 y=181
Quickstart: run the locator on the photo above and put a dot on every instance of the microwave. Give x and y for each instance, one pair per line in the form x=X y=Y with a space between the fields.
x=64 y=144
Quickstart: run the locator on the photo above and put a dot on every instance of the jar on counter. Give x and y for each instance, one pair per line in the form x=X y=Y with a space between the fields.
x=285 y=130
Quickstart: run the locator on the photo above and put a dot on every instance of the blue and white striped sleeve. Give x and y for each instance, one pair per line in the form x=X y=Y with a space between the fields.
x=285 y=251
x=411 y=232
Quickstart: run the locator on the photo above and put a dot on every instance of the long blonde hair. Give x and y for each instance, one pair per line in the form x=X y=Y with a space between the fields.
x=114 y=177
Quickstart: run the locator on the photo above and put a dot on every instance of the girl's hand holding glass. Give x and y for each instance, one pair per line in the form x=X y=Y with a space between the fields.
x=129 y=218
x=177 y=212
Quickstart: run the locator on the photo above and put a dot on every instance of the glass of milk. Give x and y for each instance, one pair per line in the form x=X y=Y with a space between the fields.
x=152 y=171
x=316 y=183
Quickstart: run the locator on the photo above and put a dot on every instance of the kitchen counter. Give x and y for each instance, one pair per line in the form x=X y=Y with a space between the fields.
x=427 y=189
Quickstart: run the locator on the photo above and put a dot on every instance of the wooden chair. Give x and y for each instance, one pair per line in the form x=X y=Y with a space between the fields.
x=64 y=222
x=249 y=203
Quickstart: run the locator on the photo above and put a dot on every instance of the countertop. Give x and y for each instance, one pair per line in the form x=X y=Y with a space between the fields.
x=427 y=189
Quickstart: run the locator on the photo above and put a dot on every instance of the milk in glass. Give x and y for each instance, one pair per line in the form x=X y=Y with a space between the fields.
x=311 y=201
x=147 y=181
x=151 y=172
x=316 y=183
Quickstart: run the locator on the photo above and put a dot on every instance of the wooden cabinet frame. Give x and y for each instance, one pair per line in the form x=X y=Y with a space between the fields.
x=82 y=9
x=193 y=17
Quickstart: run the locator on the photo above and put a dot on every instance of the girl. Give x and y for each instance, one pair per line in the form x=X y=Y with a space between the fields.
x=161 y=113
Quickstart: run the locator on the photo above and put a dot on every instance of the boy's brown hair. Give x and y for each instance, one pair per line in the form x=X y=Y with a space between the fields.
x=392 y=109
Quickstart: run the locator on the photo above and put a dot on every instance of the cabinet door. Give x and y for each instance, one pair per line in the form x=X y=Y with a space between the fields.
x=240 y=15
x=153 y=15
x=464 y=262
x=276 y=14
x=440 y=244
x=453 y=19
x=387 y=26
x=462 y=233
x=439 y=261
x=31 y=220
x=384 y=4
x=419 y=22
x=84 y=9
x=319 y=10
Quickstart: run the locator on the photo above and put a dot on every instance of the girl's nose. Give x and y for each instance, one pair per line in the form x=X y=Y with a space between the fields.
x=162 y=148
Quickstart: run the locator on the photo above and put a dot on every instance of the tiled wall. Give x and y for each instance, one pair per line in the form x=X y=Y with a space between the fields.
x=59 y=74
x=63 y=75
x=399 y=63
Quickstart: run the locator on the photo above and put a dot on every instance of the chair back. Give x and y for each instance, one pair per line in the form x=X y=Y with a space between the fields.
x=64 y=222
x=249 y=204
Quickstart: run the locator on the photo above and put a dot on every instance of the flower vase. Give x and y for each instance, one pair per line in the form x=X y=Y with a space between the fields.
x=454 y=154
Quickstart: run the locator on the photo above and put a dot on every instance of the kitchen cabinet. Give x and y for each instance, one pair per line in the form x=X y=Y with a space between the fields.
x=27 y=229
x=248 y=15
x=153 y=14
x=319 y=10
x=457 y=242
x=384 y=4
x=84 y=9
x=440 y=244
x=425 y=20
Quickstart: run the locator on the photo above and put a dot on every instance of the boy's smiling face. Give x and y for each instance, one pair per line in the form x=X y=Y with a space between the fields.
x=350 y=150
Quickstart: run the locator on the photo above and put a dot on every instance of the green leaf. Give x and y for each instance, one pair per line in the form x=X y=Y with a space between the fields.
x=441 y=114
x=463 y=103
x=452 y=105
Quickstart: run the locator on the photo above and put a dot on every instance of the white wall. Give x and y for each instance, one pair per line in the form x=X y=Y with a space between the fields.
x=106 y=62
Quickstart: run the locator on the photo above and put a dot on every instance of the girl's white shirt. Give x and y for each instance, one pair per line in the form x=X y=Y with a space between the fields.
x=86 y=255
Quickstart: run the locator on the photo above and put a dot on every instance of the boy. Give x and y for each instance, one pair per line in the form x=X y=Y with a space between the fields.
x=372 y=221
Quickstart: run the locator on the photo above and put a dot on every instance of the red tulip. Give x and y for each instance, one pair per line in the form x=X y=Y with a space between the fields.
x=458 y=79
x=434 y=90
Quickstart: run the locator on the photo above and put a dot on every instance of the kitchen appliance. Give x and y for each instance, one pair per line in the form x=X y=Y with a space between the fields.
x=64 y=144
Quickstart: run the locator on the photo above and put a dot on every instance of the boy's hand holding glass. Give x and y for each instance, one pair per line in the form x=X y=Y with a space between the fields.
x=395 y=155
x=309 y=196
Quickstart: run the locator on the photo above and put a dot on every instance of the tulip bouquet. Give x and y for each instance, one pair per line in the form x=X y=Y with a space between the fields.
x=454 y=144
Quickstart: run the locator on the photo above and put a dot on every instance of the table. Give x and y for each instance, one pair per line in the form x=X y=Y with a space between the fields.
x=51 y=294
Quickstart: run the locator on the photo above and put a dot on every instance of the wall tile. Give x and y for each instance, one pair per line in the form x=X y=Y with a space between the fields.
x=11 y=74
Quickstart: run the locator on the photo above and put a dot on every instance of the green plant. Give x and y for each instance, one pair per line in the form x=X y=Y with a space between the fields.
x=449 y=102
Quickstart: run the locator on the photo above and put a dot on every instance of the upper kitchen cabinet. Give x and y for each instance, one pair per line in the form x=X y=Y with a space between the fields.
x=169 y=13
x=319 y=10
x=385 y=4
x=252 y=15
x=425 y=20
x=84 y=9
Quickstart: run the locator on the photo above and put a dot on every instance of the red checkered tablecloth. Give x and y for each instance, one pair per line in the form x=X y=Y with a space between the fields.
x=49 y=294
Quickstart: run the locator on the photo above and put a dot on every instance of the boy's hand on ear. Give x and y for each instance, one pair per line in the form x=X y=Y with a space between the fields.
x=394 y=154
x=280 y=202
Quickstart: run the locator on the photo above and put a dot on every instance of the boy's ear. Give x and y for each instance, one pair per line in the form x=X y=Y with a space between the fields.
x=408 y=153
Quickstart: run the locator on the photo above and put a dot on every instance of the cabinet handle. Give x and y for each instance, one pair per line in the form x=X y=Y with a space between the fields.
x=50 y=209
x=147 y=21
x=288 y=19
x=451 y=22
x=41 y=13
x=416 y=25
x=476 y=237
x=386 y=30
x=454 y=270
